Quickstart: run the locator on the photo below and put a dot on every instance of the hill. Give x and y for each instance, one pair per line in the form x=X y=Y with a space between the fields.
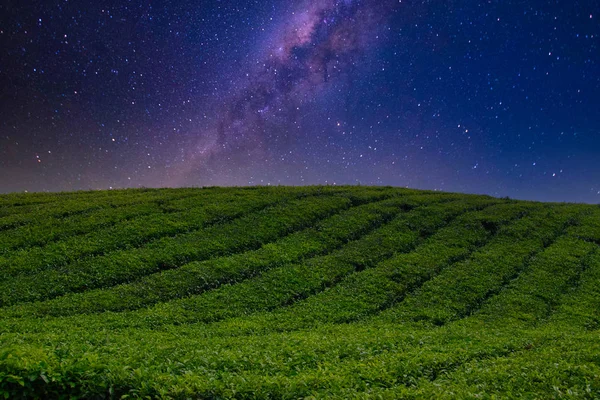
x=289 y=292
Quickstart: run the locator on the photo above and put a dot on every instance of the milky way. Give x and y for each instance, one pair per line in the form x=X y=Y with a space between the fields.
x=496 y=97
x=319 y=43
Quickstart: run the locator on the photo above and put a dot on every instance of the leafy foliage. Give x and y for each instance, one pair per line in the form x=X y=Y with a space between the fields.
x=316 y=292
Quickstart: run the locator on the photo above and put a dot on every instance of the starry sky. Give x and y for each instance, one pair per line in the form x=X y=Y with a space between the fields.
x=499 y=96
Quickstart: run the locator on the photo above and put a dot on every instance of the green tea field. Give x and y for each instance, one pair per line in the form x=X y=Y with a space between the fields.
x=297 y=292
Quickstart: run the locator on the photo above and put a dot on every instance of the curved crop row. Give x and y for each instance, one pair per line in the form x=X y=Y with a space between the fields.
x=240 y=234
x=50 y=230
x=54 y=213
x=578 y=308
x=197 y=277
x=330 y=292
x=370 y=291
x=14 y=201
x=458 y=291
x=290 y=282
x=47 y=230
x=134 y=233
x=536 y=292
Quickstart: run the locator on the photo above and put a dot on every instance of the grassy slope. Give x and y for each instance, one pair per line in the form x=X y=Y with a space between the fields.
x=326 y=292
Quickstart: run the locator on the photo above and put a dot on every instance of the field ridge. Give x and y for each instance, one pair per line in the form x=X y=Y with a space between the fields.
x=297 y=292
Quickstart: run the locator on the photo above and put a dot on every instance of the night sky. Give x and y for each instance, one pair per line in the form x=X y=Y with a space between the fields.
x=499 y=97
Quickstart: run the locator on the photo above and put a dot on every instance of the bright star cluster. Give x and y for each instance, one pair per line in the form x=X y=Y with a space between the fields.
x=496 y=97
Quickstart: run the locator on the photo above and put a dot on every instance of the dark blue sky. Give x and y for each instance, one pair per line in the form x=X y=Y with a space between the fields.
x=497 y=97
